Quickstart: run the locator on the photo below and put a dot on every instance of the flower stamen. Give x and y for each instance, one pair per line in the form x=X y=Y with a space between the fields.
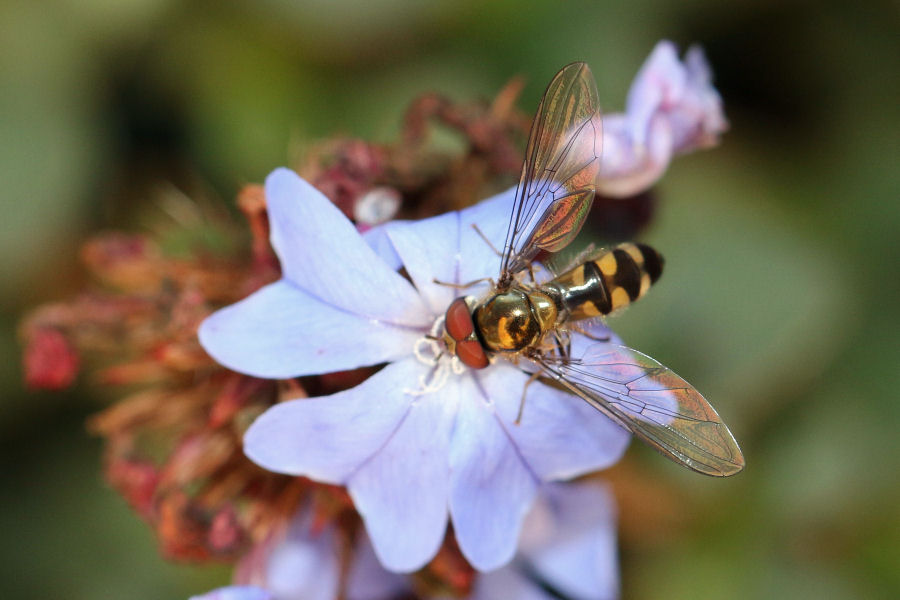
x=429 y=349
x=430 y=382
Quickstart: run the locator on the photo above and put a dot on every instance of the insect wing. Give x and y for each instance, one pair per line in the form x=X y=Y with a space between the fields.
x=562 y=160
x=653 y=403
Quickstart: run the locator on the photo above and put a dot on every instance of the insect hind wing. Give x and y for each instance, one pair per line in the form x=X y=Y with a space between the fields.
x=655 y=404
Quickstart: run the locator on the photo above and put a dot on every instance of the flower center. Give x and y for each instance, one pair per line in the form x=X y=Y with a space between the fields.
x=430 y=350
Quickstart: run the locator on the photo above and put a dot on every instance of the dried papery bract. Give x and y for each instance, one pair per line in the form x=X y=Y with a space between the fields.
x=174 y=438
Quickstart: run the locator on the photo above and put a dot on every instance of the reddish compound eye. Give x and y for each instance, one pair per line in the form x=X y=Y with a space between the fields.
x=458 y=320
x=459 y=326
x=472 y=354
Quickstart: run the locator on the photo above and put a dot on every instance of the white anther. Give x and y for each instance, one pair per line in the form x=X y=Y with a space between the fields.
x=431 y=381
x=457 y=366
x=430 y=350
x=427 y=350
x=437 y=328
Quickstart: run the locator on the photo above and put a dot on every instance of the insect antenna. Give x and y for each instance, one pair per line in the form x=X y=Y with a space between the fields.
x=462 y=286
x=486 y=240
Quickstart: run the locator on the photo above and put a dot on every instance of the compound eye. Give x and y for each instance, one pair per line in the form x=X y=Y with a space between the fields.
x=458 y=320
x=471 y=354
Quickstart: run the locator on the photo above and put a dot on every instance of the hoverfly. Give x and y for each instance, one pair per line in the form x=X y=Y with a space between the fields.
x=527 y=320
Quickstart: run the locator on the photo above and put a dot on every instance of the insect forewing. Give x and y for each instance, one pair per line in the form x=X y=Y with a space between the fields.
x=562 y=160
x=653 y=403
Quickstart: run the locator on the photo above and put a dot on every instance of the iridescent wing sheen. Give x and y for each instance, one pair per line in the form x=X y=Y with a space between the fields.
x=653 y=403
x=562 y=160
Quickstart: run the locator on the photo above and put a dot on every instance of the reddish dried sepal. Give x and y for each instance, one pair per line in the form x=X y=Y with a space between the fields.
x=50 y=362
x=225 y=535
x=136 y=480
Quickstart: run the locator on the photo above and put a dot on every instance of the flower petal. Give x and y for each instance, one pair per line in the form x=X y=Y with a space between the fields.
x=322 y=253
x=302 y=562
x=699 y=119
x=401 y=492
x=698 y=69
x=448 y=248
x=429 y=249
x=477 y=258
x=672 y=108
x=560 y=436
x=367 y=579
x=659 y=84
x=569 y=540
x=281 y=331
x=329 y=437
x=492 y=487
x=627 y=167
x=236 y=592
x=378 y=240
x=305 y=566
x=507 y=582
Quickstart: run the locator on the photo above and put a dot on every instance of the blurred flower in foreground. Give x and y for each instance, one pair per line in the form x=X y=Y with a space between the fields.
x=421 y=436
x=568 y=546
x=567 y=549
x=305 y=561
x=237 y=592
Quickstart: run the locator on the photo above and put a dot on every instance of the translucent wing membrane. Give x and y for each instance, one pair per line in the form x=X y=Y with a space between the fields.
x=562 y=161
x=653 y=403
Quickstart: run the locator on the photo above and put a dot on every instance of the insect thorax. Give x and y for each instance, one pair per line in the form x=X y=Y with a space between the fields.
x=513 y=320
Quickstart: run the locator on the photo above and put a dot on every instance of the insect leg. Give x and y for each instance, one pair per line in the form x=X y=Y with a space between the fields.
x=587 y=334
x=563 y=344
x=532 y=379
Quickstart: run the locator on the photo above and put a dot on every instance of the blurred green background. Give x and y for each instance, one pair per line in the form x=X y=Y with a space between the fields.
x=780 y=300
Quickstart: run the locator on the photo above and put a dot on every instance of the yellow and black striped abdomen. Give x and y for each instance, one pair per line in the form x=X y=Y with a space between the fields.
x=608 y=282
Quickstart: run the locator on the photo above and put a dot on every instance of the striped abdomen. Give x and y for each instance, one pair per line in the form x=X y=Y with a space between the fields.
x=608 y=282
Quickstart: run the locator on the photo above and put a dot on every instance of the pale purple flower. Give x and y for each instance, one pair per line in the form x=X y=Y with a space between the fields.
x=299 y=563
x=236 y=592
x=294 y=564
x=568 y=543
x=672 y=108
x=421 y=440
